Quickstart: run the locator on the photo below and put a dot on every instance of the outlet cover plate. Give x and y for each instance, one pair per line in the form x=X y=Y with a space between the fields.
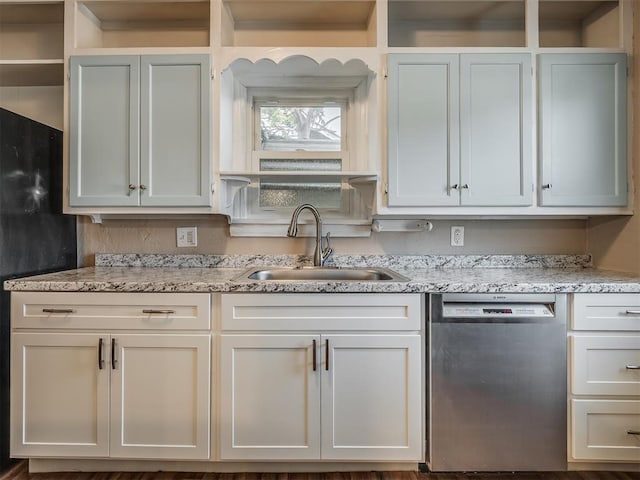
x=457 y=236
x=187 y=236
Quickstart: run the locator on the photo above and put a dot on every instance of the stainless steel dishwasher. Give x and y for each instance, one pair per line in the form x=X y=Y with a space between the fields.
x=498 y=382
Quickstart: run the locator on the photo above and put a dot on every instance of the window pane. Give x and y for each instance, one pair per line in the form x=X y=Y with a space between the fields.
x=295 y=128
x=283 y=192
x=286 y=194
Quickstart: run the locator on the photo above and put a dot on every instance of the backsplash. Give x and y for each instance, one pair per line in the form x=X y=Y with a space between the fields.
x=482 y=237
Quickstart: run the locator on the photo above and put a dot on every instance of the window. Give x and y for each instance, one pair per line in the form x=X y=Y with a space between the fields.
x=294 y=135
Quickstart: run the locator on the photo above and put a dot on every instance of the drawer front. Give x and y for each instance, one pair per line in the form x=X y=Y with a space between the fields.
x=100 y=311
x=605 y=365
x=606 y=311
x=322 y=312
x=604 y=430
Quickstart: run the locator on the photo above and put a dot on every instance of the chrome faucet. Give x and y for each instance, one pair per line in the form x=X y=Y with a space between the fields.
x=320 y=254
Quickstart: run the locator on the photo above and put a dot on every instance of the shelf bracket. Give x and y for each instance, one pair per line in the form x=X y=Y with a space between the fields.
x=234 y=185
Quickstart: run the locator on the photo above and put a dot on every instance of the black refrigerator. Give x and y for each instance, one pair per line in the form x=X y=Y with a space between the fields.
x=35 y=237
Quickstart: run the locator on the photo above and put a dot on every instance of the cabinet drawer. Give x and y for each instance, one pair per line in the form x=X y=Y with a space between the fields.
x=321 y=312
x=606 y=311
x=146 y=311
x=603 y=430
x=605 y=365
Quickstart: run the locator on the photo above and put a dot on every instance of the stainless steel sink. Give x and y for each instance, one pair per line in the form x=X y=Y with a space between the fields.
x=326 y=274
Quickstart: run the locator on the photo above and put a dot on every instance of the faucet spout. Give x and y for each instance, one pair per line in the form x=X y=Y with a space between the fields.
x=320 y=254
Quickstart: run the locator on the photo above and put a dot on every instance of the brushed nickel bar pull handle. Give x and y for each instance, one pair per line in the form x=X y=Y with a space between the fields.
x=315 y=357
x=633 y=367
x=632 y=312
x=57 y=310
x=158 y=312
x=633 y=432
x=326 y=356
x=101 y=353
x=114 y=360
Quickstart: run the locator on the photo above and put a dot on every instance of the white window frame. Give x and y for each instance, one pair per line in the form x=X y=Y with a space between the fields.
x=300 y=97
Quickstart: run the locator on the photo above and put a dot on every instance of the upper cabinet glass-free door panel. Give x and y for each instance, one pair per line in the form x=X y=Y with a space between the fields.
x=104 y=130
x=422 y=124
x=495 y=129
x=583 y=129
x=175 y=137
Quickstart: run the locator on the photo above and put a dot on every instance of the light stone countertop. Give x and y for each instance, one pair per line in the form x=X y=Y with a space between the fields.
x=473 y=274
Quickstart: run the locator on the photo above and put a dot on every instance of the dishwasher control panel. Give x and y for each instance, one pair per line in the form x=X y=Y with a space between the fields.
x=487 y=310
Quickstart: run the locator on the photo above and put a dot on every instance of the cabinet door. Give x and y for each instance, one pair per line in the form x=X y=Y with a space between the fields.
x=59 y=395
x=270 y=406
x=175 y=130
x=422 y=123
x=495 y=129
x=160 y=396
x=104 y=131
x=605 y=365
x=605 y=430
x=371 y=397
x=583 y=129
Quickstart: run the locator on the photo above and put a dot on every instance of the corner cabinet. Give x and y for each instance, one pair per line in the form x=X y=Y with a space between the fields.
x=107 y=375
x=583 y=129
x=140 y=131
x=321 y=377
x=459 y=130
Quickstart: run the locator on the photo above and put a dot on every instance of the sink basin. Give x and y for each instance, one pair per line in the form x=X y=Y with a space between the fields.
x=327 y=274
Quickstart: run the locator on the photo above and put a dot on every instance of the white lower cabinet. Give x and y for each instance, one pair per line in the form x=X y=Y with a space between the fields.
x=605 y=378
x=321 y=395
x=108 y=393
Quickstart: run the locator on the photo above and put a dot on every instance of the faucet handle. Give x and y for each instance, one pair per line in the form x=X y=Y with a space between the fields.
x=327 y=251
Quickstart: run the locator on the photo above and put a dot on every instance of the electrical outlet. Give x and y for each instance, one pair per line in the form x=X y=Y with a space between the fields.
x=187 y=236
x=457 y=236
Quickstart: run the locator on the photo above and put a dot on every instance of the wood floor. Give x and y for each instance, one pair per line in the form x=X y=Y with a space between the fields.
x=18 y=471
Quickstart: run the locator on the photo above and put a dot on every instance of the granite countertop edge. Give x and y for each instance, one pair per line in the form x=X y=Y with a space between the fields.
x=198 y=279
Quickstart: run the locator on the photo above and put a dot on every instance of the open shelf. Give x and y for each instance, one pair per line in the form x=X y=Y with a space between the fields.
x=131 y=23
x=31 y=73
x=452 y=23
x=585 y=23
x=32 y=31
x=299 y=23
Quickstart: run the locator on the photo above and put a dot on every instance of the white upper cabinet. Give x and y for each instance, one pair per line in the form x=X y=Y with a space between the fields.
x=459 y=129
x=422 y=126
x=140 y=131
x=583 y=129
x=495 y=129
x=104 y=134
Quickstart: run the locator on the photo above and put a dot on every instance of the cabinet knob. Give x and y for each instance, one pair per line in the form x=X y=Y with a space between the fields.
x=546 y=186
x=465 y=186
x=143 y=187
x=455 y=186
x=132 y=187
